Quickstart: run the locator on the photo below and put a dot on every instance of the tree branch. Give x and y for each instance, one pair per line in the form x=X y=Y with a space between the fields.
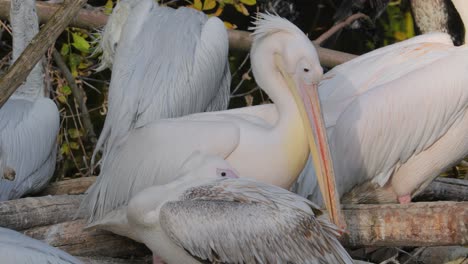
x=414 y=224
x=238 y=40
x=338 y=27
x=32 y=212
x=73 y=186
x=38 y=46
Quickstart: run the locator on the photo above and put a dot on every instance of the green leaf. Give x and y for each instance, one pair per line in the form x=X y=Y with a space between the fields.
x=65 y=49
x=80 y=43
x=74 y=133
x=65 y=149
x=249 y=2
x=74 y=145
x=65 y=90
x=74 y=60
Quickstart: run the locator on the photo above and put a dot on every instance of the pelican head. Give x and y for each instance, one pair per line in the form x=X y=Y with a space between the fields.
x=280 y=47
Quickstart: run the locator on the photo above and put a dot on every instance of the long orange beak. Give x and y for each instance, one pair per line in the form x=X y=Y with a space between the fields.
x=308 y=102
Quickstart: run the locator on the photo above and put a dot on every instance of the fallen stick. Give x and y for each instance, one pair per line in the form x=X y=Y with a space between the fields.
x=73 y=186
x=238 y=39
x=32 y=212
x=70 y=237
x=414 y=224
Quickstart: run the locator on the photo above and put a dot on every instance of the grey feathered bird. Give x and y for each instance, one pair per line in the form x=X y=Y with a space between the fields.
x=20 y=249
x=29 y=120
x=166 y=63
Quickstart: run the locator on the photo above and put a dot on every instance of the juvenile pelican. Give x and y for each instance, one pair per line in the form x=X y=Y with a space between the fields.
x=283 y=60
x=207 y=213
x=29 y=120
x=166 y=63
x=20 y=249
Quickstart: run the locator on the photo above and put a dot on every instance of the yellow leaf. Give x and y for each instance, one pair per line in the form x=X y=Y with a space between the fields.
x=241 y=8
x=249 y=2
x=65 y=149
x=108 y=7
x=409 y=24
x=74 y=145
x=197 y=4
x=62 y=99
x=399 y=35
x=209 y=4
x=219 y=11
x=229 y=25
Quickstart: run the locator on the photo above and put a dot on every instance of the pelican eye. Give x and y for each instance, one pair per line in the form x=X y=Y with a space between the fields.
x=306 y=70
x=223 y=174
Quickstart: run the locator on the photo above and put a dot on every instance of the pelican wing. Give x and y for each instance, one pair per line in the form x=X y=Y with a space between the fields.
x=18 y=248
x=28 y=136
x=152 y=155
x=168 y=63
x=243 y=221
x=399 y=119
x=345 y=87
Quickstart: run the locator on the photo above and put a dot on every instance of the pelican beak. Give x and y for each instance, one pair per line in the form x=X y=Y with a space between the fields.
x=307 y=100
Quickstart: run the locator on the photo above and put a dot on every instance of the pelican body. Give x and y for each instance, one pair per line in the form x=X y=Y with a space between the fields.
x=272 y=149
x=396 y=117
x=29 y=120
x=20 y=249
x=166 y=63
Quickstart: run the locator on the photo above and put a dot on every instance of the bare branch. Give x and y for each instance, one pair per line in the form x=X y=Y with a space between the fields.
x=38 y=46
x=32 y=212
x=337 y=27
x=73 y=186
x=414 y=224
x=238 y=40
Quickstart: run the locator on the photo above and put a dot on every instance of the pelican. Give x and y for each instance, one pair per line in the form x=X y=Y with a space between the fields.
x=29 y=120
x=20 y=249
x=208 y=213
x=396 y=117
x=272 y=150
x=166 y=63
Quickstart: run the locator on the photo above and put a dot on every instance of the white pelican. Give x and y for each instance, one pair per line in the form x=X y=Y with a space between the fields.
x=21 y=249
x=272 y=152
x=207 y=213
x=168 y=63
x=396 y=117
x=29 y=120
